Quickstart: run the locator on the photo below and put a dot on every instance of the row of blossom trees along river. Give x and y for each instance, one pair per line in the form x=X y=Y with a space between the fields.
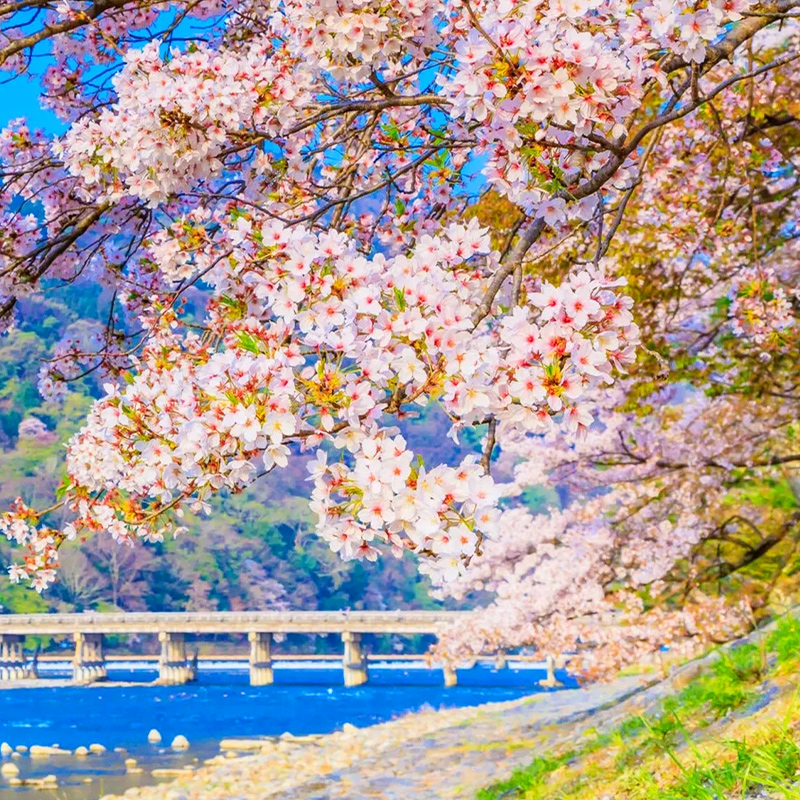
x=571 y=225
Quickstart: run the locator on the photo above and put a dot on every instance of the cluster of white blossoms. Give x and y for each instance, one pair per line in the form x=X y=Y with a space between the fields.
x=553 y=82
x=760 y=307
x=443 y=513
x=19 y=525
x=173 y=118
x=348 y=38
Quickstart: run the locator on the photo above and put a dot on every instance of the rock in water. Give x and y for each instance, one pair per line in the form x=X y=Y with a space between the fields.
x=130 y=762
x=180 y=742
x=6 y=749
x=42 y=751
x=96 y=748
x=9 y=770
x=243 y=744
x=154 y=737
x=81 y=752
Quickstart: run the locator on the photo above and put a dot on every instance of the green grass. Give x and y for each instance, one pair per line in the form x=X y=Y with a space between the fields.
x=626 y=757
x=728 y=685
x=770 y=767
x=526 y=779
x=784 y=642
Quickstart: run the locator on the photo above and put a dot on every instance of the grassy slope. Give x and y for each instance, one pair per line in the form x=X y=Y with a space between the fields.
x=733 y=732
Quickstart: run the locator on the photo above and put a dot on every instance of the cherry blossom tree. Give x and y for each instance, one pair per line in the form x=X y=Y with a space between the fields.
x=321 y=170
x=682 y=521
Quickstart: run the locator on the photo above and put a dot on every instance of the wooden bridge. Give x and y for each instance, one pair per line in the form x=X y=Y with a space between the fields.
x=88 y=629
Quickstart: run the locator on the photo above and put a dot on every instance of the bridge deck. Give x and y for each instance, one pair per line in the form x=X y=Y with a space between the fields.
x=322 y=622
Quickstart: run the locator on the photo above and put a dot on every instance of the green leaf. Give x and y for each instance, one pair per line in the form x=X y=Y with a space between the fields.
x=392 y=131
x=247 y=342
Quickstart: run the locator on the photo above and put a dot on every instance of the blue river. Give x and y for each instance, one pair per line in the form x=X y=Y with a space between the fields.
x=304 y=699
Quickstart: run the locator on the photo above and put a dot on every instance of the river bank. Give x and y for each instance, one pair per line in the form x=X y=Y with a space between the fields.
x=421 y=756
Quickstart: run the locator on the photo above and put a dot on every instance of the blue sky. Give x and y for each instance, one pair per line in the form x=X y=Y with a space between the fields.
x=19 y=97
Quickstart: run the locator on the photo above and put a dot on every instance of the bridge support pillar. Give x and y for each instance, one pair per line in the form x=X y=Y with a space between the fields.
x=12 y=659
x=260 y=659
x=88 y=664
x=354 y=661
x=450 y=676
x=550 y=681
x=173 y=667
x=500 y=660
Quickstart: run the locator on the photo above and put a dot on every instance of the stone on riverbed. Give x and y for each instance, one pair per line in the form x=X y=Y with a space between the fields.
x=130 y=762
x=154 y=737
x=20 y=748
x=6 y=749
x=96 y=748
x=48 y=782
x=9 y=770
x=171 y=773
x=242 y=744
x=180 y=742
x=311 y=737
x=43 y=751
x=81 y=752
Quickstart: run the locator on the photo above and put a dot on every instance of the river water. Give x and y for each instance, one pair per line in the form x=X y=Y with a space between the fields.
x=305 y=698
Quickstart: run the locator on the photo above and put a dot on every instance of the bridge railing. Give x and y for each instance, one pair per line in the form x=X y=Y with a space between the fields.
x=401 y=622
